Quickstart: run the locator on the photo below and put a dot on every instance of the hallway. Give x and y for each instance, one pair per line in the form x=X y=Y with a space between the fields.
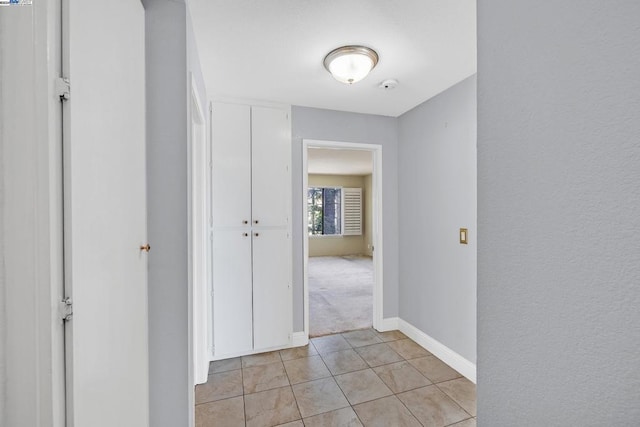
x=358 y=378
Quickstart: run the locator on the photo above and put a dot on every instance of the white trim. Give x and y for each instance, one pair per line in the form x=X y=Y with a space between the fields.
x=299 y=339
x=441 y=351
x=376 y=151
x=389 y=324
x=32 y=239
x=198 y=263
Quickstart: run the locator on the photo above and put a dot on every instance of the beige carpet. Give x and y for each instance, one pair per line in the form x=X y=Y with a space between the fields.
x=340 y=294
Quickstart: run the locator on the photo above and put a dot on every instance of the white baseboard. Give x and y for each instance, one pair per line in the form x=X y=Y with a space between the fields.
x=441 y=351
x=389 y=324
x=299 y=339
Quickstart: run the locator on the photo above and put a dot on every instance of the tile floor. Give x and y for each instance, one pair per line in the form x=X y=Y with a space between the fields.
x=359 y=378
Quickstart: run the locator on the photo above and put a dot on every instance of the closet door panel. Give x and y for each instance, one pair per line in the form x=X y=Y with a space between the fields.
x=271 y=157
x=231 y=131
x=271 y=288
x=232 y=292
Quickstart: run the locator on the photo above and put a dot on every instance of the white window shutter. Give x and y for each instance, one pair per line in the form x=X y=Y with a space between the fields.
x=352 y=211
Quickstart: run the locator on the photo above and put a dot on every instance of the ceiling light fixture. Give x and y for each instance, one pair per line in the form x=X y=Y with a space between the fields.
x=350 y=64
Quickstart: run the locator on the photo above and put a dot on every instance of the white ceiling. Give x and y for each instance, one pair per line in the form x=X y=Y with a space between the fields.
x=272 y=50
x=330 y=161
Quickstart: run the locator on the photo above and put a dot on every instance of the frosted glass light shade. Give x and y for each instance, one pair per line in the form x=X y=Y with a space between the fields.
x=350 y=64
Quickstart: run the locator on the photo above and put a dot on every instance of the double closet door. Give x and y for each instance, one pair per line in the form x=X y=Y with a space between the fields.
x=252 y=303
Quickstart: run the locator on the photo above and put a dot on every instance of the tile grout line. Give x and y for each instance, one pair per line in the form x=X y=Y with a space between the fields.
x=334 y=377
x=295 y=399
x=452 y=399
x=410 y=411
x=244 y=400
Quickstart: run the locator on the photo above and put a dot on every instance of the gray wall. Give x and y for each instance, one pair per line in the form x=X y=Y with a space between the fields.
x=167 y=132
x=313 y=123
x=558 y=213
x=437 y=197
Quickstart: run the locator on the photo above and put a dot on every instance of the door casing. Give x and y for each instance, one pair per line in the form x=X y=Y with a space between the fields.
x=376 y=151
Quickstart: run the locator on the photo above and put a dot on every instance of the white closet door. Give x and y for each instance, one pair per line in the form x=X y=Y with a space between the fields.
x=105 y=214
x=271 y=147
x=231 y=127
x=232 y=293
x=271 y=288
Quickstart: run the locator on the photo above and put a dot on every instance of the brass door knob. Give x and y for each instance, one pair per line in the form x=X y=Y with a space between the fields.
x=145 y=248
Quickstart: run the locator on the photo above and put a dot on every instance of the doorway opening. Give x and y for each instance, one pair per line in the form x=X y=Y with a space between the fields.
x=342 y=229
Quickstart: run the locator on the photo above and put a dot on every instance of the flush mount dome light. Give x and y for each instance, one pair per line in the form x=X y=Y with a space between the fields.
x=350 y=64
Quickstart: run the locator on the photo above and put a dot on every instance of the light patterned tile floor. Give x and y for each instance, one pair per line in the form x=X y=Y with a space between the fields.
x=359 y=378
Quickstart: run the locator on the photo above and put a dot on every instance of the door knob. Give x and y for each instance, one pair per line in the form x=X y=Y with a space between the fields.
x=245 y=234
x=255 y=221
x=256 y=234
x=245 y=222
x=145 y=248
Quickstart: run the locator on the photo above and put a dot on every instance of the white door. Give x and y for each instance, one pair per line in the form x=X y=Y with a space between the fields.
x=105 y=213
x=271 y=288
x=271 y=156
x=231 y=141
x=232 y=293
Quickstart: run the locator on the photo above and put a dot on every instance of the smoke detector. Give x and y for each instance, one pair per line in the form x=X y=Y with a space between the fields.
x=388 y=84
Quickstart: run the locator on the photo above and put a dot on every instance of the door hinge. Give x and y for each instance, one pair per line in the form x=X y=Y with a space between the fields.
x=65 y=307
x=63 y=88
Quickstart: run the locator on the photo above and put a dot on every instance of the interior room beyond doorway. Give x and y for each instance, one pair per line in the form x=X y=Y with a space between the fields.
x=340 y=240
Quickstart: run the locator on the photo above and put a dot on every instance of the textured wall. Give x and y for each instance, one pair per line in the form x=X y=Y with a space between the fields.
x=313 y=123
x=437 y=197
x=167 y=132
x=558 y=213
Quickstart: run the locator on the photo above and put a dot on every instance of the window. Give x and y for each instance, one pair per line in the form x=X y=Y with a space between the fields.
x=325 y=209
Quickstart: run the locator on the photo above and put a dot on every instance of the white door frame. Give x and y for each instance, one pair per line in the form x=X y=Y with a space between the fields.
x=199 y=241
x=31 y=152
x=376 y=241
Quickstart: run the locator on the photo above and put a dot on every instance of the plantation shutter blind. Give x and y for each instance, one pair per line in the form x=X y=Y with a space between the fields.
x=352 y=211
